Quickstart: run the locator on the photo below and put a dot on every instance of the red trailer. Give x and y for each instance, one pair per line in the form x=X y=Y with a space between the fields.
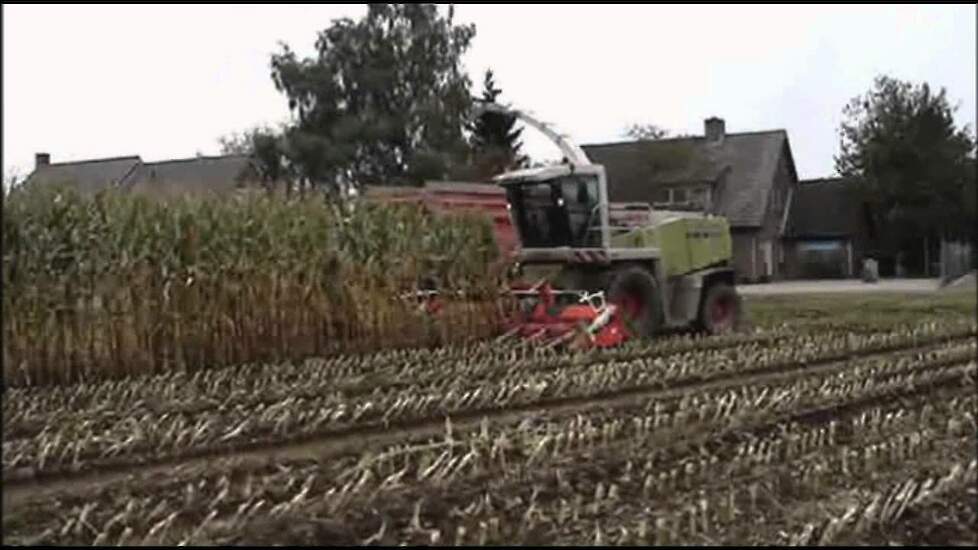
x=457 y=197
x=489 y=199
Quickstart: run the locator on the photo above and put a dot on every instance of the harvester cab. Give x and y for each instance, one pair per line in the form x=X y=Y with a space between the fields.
x=597 y=274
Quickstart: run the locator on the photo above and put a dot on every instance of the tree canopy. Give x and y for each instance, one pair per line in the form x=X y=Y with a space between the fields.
x=645 y=132
x=383 y=101
x=267 y=147
x=914 y=164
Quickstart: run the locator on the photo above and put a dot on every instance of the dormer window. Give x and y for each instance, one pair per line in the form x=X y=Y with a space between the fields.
x=698 y=197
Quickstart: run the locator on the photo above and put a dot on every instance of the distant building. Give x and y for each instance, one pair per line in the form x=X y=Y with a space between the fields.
x=87 y=176
x=200 y=175
x=747 y=177
x=191 y=176
x=830 y=230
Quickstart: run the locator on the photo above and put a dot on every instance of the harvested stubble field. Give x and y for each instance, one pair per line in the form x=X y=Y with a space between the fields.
x=831 y=422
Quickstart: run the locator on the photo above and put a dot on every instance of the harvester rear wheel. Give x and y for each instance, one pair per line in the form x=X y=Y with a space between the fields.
x=636 y=293
x=720 y=310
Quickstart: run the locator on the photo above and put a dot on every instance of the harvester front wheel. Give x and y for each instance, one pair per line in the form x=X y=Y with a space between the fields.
x=720 y=310
x=636 y=294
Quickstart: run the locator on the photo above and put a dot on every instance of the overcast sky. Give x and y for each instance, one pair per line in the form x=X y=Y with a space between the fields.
x=164 y=82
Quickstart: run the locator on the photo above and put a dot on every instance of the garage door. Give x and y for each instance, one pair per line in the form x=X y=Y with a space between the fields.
x=823 y=259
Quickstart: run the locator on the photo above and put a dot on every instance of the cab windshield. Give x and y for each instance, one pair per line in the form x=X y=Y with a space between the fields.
x=558 y=212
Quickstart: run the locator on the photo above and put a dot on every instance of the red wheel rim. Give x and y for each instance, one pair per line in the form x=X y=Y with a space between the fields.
x=433 y=305
x=721 y=314
x=631 y=305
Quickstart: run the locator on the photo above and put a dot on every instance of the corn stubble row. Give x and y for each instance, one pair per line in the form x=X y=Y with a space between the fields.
x=351 y=375
x=77 y=438
x=687 y=469
x=347 y=373
x=120 y=285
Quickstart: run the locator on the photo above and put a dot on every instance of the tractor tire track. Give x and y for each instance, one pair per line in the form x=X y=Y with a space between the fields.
x=29 y=487
x=372 y=426
x=616 y=450
x=388 y=378
x=363 y=385
x=460 y=493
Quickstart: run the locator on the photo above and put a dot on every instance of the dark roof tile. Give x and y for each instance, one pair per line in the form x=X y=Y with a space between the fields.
x=210 y=174
x=636 y=169
x=828 y=207
x=87 y=176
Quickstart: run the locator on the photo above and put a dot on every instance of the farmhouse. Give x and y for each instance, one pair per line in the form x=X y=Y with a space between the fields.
x=193 y=176
x=748 y=177
x=86 y=176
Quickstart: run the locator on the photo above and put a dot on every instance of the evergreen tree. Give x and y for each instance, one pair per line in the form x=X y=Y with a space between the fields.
x=495 y=137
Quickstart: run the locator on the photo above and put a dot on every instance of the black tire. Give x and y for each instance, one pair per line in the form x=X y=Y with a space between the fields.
x=720 y=310
x=634 y=285
x=428 y=282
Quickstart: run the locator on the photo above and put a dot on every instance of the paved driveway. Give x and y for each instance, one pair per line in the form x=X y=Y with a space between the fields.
x=835 y=286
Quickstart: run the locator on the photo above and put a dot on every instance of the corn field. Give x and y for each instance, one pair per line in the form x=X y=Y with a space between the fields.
x=805 y=432
x=241 y=373
x=121 y=285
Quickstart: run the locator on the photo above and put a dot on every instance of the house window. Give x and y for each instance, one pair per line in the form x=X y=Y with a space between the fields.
x=700 y=197
x=685 y=198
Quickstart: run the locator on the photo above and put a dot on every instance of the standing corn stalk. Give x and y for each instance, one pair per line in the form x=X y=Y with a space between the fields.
x=119 y=285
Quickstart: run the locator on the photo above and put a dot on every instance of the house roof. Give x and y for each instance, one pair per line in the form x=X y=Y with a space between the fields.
x=635 y=169
x=88 y=176
x=824 y=208
x=211 y=174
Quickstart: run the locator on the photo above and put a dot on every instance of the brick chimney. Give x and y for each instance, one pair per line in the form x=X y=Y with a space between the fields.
x=41 y=159
x=714 y=128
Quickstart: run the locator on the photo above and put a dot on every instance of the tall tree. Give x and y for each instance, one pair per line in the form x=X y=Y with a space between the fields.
x=900 y=141
x=268 y=149
x=495 y=137
x=384 y=99
x=242 y=143
x=12 y=178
